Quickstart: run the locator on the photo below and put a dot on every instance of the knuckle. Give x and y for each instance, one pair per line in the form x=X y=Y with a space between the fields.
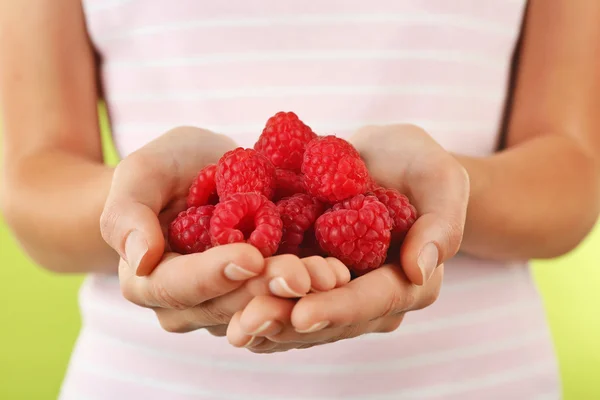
x=454 y=235
x=171 y=324
x=129 y=293
x=391 y=324
x=164 y=298
x=405 y=302
x=139 y=166
x=207 y=287
x=134 y=163
x=391 y=305
x=212 y=314
x=397 y=300
x=109 y=221
x=431 y=296
x=347 y=333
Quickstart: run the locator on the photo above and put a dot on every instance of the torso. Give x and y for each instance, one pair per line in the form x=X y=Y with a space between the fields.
x=228 y=66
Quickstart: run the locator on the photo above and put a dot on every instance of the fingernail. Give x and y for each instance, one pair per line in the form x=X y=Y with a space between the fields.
x=136 y=248
x=428 y=260
x=261 y=328
x=316 y=327
x=252 y=341
x=237 y=273
x=279 y=287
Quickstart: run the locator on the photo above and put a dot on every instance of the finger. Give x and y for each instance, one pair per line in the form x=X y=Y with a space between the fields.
x=381 y=325
x=322 y=274
x=441 y=198
x=383 y=292
x=266 y=315
x=132 y=229
x=327 y=335
x=268 y=347
x=285 y=276
x=181 y=282
x=342 y=273
x=237 y=337
x=176 y=321
x=144 y=183
x=219 y=310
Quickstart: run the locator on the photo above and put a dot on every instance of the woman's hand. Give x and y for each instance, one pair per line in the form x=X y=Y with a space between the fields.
x=406 y=158
x=374 y=303
x=195 y=291
x=149 y=188
x=205 y=290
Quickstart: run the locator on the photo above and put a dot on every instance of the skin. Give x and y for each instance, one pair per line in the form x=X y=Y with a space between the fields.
x=537 y=198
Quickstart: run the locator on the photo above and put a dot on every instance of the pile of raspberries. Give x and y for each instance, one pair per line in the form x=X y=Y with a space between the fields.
x=294 y=193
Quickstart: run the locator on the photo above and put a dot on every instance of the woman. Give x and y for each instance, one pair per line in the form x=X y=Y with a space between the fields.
x=499 y=193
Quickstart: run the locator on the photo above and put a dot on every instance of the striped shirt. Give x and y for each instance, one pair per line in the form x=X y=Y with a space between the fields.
x=340 y=64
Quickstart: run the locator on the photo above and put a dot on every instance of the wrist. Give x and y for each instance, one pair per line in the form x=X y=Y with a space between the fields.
x=64 y=194
x=480 y=174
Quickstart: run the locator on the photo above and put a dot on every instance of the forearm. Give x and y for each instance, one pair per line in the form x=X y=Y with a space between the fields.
x=536 y=200
x=52 y=202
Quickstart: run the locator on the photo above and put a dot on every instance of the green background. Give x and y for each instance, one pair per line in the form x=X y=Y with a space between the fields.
x=40 y=319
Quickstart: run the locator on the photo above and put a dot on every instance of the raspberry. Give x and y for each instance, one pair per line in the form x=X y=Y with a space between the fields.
x=188 y=233
x=250 y=218
x=333 y=170
x=402 y=212
x=298 y=214
x=243 y=171
x=203 y=190
x=310 y=246
x=372 y=185
x=357 y=232
x=284 y=139
x=287 y=183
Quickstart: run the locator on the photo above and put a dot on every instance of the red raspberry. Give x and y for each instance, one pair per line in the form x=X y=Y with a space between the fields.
x=287 y=183
x=203 y=190
x=333 y=170
x=372 y=185
x=357 y=232
x=244 y=171
x=284 y=139
x=298 y=214
x=402 y=212
x=310 y=246
x=247 y=217
x=188 y=233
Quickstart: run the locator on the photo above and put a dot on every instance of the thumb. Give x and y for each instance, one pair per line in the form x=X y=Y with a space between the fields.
x=437 y=234
x=430 y=241
x=133 y=230
x=129 y=222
